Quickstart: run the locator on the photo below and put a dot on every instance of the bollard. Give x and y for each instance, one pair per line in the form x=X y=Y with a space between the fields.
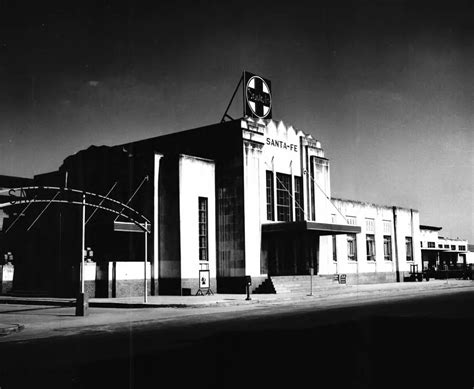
x=311 y=273
x=82 y=305
x=248 y=282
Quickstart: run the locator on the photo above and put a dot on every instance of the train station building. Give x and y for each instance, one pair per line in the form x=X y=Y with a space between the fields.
x=244 y=197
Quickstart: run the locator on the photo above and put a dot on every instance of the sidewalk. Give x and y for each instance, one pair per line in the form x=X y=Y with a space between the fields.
x=337 y=291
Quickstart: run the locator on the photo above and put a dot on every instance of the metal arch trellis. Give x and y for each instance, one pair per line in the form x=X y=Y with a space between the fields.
x=137 y=223
x=135 y=219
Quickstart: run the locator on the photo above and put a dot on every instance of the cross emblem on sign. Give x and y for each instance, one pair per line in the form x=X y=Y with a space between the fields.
x=258 y=97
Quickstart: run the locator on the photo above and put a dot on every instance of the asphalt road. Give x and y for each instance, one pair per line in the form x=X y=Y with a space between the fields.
x=418 y=342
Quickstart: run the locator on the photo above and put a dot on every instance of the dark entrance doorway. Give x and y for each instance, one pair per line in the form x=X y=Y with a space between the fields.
x=290 y=253
x=291 y=248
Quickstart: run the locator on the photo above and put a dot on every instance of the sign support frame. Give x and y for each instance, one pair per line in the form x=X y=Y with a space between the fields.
x=231 y=100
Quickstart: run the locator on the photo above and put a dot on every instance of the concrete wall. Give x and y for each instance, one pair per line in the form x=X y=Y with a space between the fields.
x=126 y=279
x=196 y=179
x=254 y=200
x=190 y=286
x=408 y=225
x=371 y=278
x=470 y=257
x=6 y=278
x=428 y=236
x=399 y=225
x=169 y=227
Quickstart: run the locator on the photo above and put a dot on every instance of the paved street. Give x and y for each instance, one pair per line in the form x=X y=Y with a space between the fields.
x=382 y=336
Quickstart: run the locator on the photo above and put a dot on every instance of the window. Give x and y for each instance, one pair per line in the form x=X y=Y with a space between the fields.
x=387 y=227
x=462 y=248
x=440 y=246
x=387 y=247
x=421 y=244
x=203 y=216
x=334 y=248
x=351 y=247
x=370 y=243
x=453 y=247
x=351 y=220
x=270 y=200
x=446 y=246
x=284 y=204
x=370 y=225
x=431 y=245
x=299 y=204
x=409 y=248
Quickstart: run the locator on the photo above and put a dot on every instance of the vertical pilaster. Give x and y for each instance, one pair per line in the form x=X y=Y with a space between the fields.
x=156 y=222
x=293 y=203
x=274 y=192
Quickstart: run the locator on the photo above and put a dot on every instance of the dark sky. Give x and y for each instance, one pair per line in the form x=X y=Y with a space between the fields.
x=386 y=86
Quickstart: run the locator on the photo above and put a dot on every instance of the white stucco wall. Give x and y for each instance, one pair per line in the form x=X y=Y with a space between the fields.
x=405 y=228
x=254 y=205
x=123 y=271
x=281 y=149
x=196 y=179
x=380 y=214
x=429 y=236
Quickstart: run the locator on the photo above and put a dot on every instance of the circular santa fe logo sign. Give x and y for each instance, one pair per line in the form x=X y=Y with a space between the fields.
x=259 y=98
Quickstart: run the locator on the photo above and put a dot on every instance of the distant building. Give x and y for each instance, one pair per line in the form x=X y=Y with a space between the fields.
x=470 y=254
x=438 y=251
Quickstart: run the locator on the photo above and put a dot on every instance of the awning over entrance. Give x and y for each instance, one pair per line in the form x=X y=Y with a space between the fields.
x=318 y=228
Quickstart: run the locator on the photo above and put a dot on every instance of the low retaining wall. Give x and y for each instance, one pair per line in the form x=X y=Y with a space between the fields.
x=374 y=278
x=122 y=279
x=190 y=286
x=6 y=278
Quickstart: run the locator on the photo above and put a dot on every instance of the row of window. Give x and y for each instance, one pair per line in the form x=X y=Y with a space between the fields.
x=284 y=197
x=370 y=247
x=432 y=245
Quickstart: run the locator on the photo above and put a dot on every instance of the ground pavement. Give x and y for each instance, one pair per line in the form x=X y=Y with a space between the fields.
x=36 y=317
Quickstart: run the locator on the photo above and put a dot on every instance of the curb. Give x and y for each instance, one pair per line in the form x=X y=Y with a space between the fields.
x=175 y=305
x=6 y=329
x=38 y=301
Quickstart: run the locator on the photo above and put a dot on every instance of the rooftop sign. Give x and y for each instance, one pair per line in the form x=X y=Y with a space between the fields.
x=257 y=97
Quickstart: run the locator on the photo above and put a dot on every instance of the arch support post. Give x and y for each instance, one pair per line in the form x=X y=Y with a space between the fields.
x=82 y=302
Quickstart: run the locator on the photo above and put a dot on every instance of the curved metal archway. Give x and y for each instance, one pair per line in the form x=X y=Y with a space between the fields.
x=22 y=198
x=32 y=194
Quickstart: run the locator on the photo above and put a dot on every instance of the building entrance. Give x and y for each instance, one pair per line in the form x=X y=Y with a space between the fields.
x=292 y=248
x=290 y=253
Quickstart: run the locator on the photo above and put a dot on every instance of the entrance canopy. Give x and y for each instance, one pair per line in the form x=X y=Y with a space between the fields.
x=318 y=228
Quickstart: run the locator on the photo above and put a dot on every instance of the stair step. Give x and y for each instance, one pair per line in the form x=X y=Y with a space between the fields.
x=302 y=283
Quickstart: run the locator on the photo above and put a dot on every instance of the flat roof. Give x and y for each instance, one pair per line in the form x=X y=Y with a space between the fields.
x=433 y=228
x=319 y=228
